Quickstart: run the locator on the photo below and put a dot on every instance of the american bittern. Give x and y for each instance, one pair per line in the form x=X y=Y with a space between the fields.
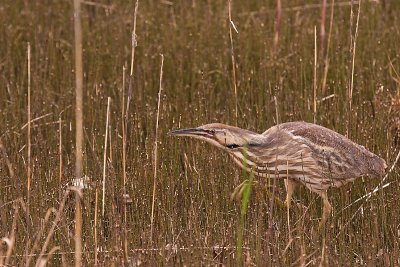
x=299 y=152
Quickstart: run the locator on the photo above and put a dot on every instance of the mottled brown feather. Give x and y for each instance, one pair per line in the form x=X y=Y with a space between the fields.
x=324 y=139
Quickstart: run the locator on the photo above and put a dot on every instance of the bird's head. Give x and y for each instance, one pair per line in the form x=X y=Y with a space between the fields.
x=220 y=135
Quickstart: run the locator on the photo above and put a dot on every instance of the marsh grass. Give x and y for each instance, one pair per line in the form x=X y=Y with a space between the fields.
x=194 y=221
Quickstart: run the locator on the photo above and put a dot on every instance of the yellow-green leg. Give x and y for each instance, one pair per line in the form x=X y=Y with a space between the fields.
x=290 y=187
x=238 y=192
x=326 y=210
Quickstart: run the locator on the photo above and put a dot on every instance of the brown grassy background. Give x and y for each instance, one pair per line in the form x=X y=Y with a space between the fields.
x=194 y=217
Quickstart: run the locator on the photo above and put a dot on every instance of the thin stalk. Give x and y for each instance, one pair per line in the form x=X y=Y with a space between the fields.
x=55 y=224
x=95 y=227
x=11 y=240
x=78 y=90
x=326 y=63
x=29 y=125
x=78 y=229
x=79 y=128
x=124 y=159
x=134 y=44
x=125 y=114
x=323 y=32
x=105 y=158
x=60 y=152
x=276 y=110
x=315 y=75
x=231 y=24
x=352 y=66
x=277 y=26
x=29 y=170
x=156 y=152
x=4 y=155
x=110 y=150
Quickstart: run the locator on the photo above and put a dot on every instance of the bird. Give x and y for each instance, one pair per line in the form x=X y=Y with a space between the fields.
x=299 y=152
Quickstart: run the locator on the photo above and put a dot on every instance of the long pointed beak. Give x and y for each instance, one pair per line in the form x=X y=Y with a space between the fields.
x=193 y=132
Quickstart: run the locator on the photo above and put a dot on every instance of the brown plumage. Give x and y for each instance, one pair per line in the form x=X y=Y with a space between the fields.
x=299 y=152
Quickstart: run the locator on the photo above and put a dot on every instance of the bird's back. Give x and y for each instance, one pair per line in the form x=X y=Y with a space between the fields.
x=333 y=149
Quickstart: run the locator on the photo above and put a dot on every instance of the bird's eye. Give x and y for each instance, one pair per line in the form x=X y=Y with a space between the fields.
x=232 y=146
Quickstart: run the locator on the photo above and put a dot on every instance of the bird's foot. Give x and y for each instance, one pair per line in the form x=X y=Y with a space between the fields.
x=237 y=193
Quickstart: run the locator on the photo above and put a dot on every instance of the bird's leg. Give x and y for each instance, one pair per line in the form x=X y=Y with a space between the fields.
x=238 y=191
x=327 y=209
x=235 y=194
x=290 y=187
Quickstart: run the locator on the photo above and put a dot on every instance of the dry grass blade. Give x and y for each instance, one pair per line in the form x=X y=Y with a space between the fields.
x=134 y=44
x=45 y=261
x=180 y=195
x=39 y=235
x=60 y=157
x=79 y=127
x=231 y=24
x=315 y=76
x=124 y=125
x=55 y=222
x=10 y=168
x=78 y=228
x=29 y=165
x=34 y=120
x=353 y=57
x=156 y=152
x=125 y=116
x=95 y=227
x=326 y=60
x=380 y=186
x=105 y=159
x=367 y=196
x=78 y=91
x=278 y=15
x=323 y=18
x=10 y=241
